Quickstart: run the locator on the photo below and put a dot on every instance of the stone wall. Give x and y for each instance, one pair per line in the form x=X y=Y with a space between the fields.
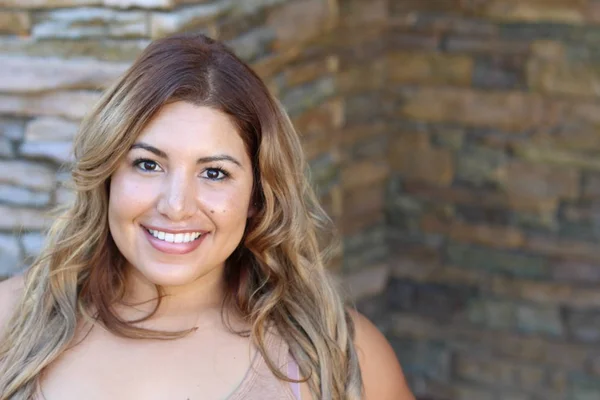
x=491 y=114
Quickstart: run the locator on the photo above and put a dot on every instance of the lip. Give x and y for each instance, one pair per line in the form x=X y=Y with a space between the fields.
x=173 y=248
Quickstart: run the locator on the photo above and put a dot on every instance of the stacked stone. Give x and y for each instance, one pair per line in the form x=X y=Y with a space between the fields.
x=490 y=113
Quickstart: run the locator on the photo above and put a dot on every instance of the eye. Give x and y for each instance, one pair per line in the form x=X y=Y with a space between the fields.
x=215 y=174
x=147 y=165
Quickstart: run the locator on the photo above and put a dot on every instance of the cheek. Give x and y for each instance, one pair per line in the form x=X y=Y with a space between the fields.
x=128 y=198
x=224 y=203
x=231 y=203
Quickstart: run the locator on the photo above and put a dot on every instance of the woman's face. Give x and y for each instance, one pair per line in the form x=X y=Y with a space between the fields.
x=180 y=199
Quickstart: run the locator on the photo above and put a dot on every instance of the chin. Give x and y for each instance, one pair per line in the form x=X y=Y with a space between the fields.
x=170 y=274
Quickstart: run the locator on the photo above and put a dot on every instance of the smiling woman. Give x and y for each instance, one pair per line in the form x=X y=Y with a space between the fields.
x=188 y=266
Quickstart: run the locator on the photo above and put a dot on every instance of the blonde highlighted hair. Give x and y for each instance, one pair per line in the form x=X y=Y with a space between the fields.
x=276 y=276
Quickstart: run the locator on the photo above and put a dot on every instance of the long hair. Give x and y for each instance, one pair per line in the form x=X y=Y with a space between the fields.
x=275 y=278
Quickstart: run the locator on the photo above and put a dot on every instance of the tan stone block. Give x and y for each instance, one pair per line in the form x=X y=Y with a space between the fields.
x=509 y=111
x=569 y=11
x=50 y=129
x=350 y=226
x=578 y=272
x=580 y=140
x=465 y=392
x=365 y=13
x=562 y=248
x=295 y=22
x=317 y=144
x=15 y=219
x=337 y=203
x=357 y=133
x=412 y=157
x=98 y=22
x=404 y=143
x=363 y=173
x=412 y=6
x=432 y=223
x=27 y=174
x=558 y=157
x=435 y=273
x=366 y=282
x=592 y=12
x=561 y=77
x=455 y=195
x=195 y=17
x=546 y=293
x=591 y=187
x=72 y=105
x=362 y=78
x=429 y=68
x=15 y=22
x=101 y=50
x=346 y=38
x=30 y=75
x=363 y=200
x=486 y=45
x=485 y=235
x=141 y=3
x=486 y=371
x=309 y=71
x=28 y=4
x=548 y=50
x=586 y=113
x=324 y=119
x=538 y=187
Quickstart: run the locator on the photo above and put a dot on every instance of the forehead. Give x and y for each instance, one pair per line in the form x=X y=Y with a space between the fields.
x=187 y=128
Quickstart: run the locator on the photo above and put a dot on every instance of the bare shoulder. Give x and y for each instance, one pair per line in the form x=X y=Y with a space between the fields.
x=10 y=289
x=381 y=372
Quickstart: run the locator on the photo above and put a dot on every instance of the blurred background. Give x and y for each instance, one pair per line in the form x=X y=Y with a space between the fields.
x=454 y=143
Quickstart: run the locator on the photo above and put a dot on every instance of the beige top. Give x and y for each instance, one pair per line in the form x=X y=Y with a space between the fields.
x=260 y=383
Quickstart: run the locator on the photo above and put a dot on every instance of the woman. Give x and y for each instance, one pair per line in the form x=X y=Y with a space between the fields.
x=188 y=265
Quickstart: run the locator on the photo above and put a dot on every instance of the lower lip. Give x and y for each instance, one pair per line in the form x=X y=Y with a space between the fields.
x=173 y=248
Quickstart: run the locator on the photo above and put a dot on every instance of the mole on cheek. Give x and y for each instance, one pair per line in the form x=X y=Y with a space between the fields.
x=212 y=211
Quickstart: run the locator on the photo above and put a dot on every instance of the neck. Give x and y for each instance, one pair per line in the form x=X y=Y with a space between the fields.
x=181 y=307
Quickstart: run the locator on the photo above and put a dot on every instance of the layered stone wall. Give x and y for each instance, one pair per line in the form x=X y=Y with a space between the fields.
x=493 y=200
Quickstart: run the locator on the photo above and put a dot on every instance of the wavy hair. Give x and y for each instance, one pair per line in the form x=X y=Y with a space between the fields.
x=275 y=277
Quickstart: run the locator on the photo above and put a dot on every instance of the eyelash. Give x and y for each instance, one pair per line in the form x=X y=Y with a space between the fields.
x=136 y=163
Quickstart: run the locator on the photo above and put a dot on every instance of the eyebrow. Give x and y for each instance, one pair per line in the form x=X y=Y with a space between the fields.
x=201 y=160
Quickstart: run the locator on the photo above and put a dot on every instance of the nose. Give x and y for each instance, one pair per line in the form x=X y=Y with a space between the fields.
x=177 y=201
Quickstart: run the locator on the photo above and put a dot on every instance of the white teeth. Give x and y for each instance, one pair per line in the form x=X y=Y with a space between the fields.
x=175 y=238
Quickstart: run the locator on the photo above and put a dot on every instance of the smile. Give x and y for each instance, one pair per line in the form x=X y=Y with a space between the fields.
x=174 y=243
x=175 y=237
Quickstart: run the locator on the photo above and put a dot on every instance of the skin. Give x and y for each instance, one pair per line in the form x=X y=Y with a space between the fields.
x=174 y=191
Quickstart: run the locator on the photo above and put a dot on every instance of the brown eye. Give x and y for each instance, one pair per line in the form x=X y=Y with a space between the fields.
x=215 y=174
x=147 y=165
